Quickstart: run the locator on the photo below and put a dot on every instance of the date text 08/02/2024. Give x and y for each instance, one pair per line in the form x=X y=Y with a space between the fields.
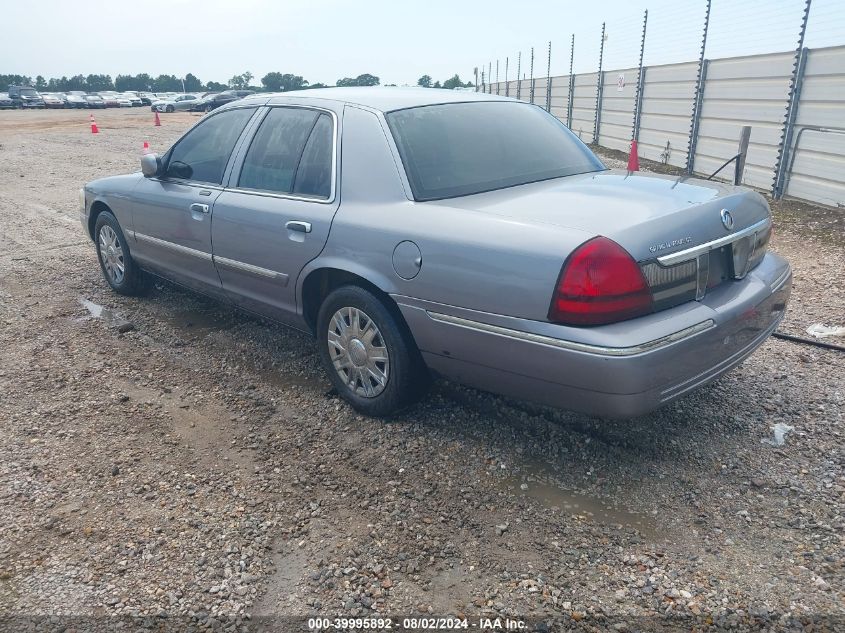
x=415 y=624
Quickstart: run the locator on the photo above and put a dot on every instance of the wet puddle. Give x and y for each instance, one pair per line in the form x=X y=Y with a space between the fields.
x=109 y=317
x=97 y=311
x=537 y=483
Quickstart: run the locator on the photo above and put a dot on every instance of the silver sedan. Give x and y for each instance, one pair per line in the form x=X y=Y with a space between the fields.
x=420 y=232
x=180 y=103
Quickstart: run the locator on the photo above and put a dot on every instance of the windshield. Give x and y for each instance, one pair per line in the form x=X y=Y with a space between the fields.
x=28 y=92
x=458 y=149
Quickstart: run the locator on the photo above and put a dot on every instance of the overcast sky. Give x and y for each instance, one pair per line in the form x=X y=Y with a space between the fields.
x=397 y=40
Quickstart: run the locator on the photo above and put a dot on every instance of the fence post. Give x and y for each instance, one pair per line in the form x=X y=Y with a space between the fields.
x=571 y=83
x=792 y=101
x=507 y=83
x=638 y=97
x=697 y=98
x=599 y=87
x=498 y=87
x=490 y=77
x=531 y=90
x=518 y=76
x=483 y=85
x=742 y=152
x=476 y=78
x=696 y=116
x=549 y=80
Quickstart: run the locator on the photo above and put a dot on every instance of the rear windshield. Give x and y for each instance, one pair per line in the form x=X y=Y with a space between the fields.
x=28 y=91
x=458 y=149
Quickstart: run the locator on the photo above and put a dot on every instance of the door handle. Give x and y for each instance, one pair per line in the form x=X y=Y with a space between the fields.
x=199 y=208
x=296 y=225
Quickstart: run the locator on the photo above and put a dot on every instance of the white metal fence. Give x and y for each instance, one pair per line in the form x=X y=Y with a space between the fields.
x=736 y=91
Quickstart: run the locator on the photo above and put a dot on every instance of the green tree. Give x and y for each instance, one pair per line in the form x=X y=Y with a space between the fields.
x=14 y=80
x=424 y=81
x=239 y=82
x=142 y=81
x=318 y=85
x=40 y=83
x=453 y=82
x=123 y=83
x=96 y=83
x=215 y=86
x=436 y=84
x=192 y=83
x=278 y=82
x=361 y=80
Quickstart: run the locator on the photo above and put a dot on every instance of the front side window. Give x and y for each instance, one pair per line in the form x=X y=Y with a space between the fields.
x=203 y=152
x=291 y=153
x=459 y=149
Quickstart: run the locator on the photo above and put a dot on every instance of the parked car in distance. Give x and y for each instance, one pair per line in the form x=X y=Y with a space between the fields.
x=109 y=99
x=6 y=102
x=181 y=103
x=134 y=100
x=460 y=233
x=25 y=97
x=75 y=101
x=94 y=101
x=147 y=98
x=214 y=101
x=52 y=100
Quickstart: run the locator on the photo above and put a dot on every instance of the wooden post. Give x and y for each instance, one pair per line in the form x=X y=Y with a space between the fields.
x=744 y=137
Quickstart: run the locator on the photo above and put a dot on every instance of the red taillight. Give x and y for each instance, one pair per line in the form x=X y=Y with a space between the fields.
x=600 y=283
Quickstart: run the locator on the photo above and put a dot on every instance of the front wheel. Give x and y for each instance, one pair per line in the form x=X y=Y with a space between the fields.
x=368 y=353
x=169 y=109
x=119 y=269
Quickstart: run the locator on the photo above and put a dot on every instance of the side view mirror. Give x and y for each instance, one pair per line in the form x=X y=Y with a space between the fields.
x=150 y=165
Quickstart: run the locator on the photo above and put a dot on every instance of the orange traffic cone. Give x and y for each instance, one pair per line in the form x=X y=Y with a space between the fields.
x=94 y=128
x=633 y=157
x=146 y=148
x=158 y=121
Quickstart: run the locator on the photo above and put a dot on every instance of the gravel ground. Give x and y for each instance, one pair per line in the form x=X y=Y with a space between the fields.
x=173 y=459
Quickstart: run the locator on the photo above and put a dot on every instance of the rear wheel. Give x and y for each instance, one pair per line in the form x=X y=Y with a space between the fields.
x=368 y=353
x=169 y=108
x=119 y=269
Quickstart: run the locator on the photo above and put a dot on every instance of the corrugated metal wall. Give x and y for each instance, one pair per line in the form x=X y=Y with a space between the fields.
x=818 y=172
x=737 y=91
x=665 y=121
x=744 y=91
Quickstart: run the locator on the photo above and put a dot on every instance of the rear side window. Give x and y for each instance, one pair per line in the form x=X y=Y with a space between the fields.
x=458 y=149
x=291 y=153
x=203 y=152
x=314 y=174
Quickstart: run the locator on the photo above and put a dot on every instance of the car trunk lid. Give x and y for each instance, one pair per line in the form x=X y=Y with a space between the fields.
x=648 y=215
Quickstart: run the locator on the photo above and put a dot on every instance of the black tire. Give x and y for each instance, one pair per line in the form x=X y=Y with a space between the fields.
x=134 y=281
x=169 y=109
x=407 y=378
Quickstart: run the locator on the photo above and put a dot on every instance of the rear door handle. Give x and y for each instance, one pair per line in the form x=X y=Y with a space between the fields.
x=296 y=225
x=199 y=208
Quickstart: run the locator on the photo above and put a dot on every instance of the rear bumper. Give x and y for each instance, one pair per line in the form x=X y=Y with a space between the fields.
x=621 y=370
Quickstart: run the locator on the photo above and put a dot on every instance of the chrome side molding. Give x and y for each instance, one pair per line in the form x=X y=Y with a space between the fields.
x=572 y=345
x=249 y=268
x=172 y=246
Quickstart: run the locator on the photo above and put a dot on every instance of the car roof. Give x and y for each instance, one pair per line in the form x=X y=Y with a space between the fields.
x=380 y=98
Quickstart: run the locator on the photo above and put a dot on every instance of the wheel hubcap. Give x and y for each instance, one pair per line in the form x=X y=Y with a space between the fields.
x=358 y=352
x=111 y=254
